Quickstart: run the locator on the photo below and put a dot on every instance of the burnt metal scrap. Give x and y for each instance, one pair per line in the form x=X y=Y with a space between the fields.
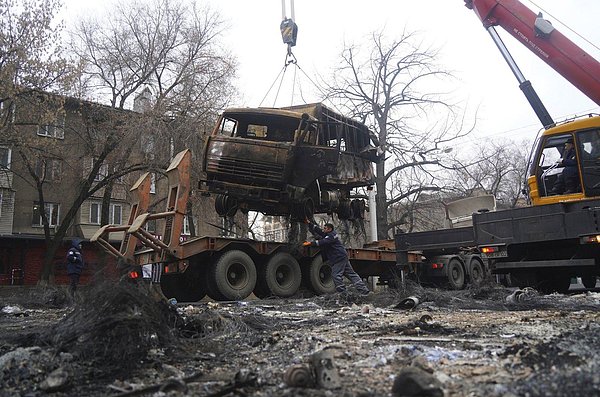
x=294 y=161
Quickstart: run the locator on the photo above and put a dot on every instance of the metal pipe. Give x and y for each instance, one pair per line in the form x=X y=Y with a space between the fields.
x=506 y=55
x=373 y=214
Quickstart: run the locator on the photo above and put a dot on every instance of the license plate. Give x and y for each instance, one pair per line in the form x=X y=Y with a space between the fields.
x=498 y=254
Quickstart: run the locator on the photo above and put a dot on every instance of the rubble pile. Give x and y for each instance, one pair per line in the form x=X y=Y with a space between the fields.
x=115 y=326
x=445 y=343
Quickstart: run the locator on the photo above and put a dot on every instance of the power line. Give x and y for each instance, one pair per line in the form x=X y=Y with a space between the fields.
x=565 y=25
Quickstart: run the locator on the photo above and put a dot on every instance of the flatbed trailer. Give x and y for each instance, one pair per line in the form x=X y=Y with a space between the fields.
x=226 y=268
x=446 y=256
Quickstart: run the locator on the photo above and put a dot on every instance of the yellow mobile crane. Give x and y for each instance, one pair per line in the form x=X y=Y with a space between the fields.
x=558 y=236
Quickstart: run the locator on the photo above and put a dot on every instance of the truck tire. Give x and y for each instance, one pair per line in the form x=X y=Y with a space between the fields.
x=185 y=287
x=319 y=277
x=589 y=281
x=280 y=276
x=455 y=274
x=477 y=272
x=209 y=284
x=234 y=275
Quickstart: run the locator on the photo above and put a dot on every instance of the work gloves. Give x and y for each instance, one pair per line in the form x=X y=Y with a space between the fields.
x=306 y=244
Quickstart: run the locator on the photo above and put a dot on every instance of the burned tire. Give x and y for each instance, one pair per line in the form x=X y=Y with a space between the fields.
x=477 y=272
x=281 y=276
x=319 y=278
x=185 y=287
x=455 y=274
x=589 y=281
x=234 y=275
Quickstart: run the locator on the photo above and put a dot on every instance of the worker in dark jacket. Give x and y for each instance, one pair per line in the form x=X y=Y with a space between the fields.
x=332 y=247
x=568 y=180
x=75 y=264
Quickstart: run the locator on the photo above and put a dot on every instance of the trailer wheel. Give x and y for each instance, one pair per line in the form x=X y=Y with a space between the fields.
x=456 y=274
x=186 y=287
x=589 y=281
x=281 y=276
x=210 y=285
x=319 y=277
x=234 y=275
x=477 y=273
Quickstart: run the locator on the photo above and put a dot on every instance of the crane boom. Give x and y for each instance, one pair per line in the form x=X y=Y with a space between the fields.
x=537 y=34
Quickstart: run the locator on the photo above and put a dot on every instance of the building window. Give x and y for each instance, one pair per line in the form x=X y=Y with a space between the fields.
x=151 y=226
x=153 y=183
x=114 y=216
x=147 y=143
x=95 y=213
x=48 y=169
x=7 y=112
x=52 y=211
x=102 y=173
x=186 y=226
x=54 y=130
x=116 y=210
x=5 y=157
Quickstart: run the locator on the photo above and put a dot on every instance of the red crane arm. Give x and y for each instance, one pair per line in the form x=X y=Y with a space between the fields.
x=560 y=53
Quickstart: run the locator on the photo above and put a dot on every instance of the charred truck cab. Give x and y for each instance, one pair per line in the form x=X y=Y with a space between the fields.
x=293 y=161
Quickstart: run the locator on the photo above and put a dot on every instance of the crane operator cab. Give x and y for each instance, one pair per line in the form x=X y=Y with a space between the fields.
x=566 y=163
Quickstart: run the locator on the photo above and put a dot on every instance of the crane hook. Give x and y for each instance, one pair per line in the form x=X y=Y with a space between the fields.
x=289 y=31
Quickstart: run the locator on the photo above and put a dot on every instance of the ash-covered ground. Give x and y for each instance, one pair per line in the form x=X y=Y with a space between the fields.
x=126 y=340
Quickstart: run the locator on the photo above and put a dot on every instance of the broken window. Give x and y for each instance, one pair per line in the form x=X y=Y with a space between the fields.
x=228 y=127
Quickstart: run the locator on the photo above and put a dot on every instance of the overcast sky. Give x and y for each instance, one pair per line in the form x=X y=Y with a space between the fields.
x=484 y=81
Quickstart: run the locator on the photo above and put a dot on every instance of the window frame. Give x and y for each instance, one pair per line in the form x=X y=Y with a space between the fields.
x=54 y=209
x=8 y=158
x=111 y=213
x=56 y=130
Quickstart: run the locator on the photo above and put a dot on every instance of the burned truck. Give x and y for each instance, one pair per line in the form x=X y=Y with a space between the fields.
x=296 y=161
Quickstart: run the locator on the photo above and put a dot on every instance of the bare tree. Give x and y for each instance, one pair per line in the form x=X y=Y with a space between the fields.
x=170 y=50
x=167 y=45
x=395 y=90
x=499 y=168
x=31 y=58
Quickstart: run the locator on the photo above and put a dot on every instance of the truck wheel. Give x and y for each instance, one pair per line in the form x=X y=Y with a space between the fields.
x=589 y=281
x=477 y=273
x=185 y=287
x=281 y=276
x=234 y=275
x=210 y=285
x=456 y=274
x=319 y=277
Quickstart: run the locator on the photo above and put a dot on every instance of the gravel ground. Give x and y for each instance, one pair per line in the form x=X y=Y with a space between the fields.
x=125 y=340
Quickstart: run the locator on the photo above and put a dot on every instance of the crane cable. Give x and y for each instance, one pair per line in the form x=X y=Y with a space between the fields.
x=565 y=25
x=289 y=34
